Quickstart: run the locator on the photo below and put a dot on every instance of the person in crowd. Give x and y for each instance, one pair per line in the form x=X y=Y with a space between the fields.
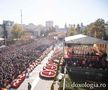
x=29 y=86
x=16 y=58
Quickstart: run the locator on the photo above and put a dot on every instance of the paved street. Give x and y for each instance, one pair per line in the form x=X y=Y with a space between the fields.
x=43 y=85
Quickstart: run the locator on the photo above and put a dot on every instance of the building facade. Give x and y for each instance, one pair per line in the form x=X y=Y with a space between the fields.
x=49 y=24
x=7 y=27
x=1 y=30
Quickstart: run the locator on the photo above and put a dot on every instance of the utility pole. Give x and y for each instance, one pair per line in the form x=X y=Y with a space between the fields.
x=21 y=21
x=65 y=67
x=64 y=81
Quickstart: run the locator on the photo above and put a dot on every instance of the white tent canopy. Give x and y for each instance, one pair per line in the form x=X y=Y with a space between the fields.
x=74 y=37
x=83 y=39
x=1 y=39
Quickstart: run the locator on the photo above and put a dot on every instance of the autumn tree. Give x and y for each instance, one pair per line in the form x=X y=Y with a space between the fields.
x=100 y=28
x=71 y=31
x=96 y=29
x=17 y=31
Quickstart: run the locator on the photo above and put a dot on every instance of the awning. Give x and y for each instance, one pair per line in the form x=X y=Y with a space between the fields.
x=83 y=39
x=1 y=39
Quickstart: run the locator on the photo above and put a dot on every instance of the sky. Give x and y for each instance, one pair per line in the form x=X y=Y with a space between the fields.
x=61 y=12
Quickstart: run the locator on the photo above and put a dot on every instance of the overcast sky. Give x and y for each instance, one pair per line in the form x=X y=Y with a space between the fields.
x=60 y=11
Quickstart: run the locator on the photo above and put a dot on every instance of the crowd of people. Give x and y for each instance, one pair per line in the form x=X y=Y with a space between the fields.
x=14 y=59
x=86 y=56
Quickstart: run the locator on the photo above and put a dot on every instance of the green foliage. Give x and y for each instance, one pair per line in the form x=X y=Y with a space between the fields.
x=71 y=31
x=96 y=29
x=17 y=31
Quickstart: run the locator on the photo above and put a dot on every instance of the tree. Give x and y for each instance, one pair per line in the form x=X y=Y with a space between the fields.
x=99 y=28
x=89 y=30
x=96 y=29
x=78 y=29
x=17 y=31
x=71 y=31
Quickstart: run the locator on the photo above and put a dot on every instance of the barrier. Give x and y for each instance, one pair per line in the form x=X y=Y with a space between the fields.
x=50 y=67
x=47 y=74
x=17 y=82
